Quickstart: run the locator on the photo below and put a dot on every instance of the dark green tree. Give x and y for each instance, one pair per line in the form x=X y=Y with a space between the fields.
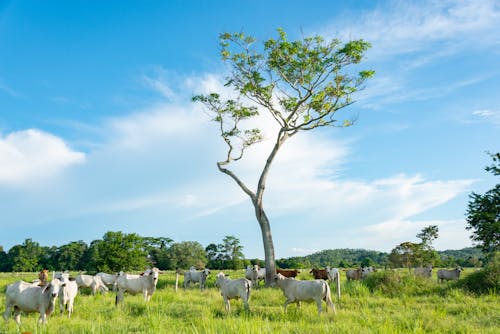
x=69 y=257
x=119 y=251
x=185 y=254
x=5 y=264
x=215 y=257
x=157 y=250
x=233 y=252
x=483 y=214
x=25 y=257
x=301 y=84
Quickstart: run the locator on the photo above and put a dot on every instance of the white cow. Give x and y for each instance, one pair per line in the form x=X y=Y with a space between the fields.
x=365 y=271
x=93 y=282
x=233 y=289
x=134 y=285
x=196 y=276
x=448 y=275
x=423 y=271
x=255 y=274
x=67 y=295
x=24 y=297
x=108 y=279
x=296 y=291
x=332 y=273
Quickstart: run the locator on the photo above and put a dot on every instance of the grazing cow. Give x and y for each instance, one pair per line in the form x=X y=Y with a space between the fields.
x=134 y=285
x=288 y=272
x=67 y=295
x=93 y=282
x=233 y=289
x=196 y=276
x=296 y=291
x=108 y=279
x=319 y=273
x=423 y=271
x=43 y=276
x=24 y=297
x=448 y=275
x=332 y=273
x=354 y=274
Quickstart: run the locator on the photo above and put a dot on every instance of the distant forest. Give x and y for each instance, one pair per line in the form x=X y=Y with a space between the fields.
x=118 y=251
x=345 y=258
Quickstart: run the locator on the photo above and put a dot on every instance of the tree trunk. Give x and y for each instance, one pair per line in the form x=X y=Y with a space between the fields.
x=267 y=240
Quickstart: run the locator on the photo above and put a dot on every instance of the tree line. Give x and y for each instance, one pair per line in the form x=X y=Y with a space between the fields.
x=118 y=251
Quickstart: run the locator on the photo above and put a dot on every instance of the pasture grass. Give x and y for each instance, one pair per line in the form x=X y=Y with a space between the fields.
x=388 y=303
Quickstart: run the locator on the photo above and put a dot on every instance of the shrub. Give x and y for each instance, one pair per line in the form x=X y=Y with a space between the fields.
x=486 y=280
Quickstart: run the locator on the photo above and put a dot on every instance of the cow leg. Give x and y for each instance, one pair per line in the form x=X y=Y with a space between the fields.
x=17 y=316
x=6 y=314
x=288 y=301
x=227 y=305
x=320 y=307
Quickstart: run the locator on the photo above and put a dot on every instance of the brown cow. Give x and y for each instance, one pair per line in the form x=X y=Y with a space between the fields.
x=288 y=272
x=43 y=276
x=319 y=273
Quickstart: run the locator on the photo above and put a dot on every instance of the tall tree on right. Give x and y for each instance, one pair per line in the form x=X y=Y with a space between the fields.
x=483 y=214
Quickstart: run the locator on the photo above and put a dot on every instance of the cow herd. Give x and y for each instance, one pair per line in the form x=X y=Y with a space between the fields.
x=40 y=295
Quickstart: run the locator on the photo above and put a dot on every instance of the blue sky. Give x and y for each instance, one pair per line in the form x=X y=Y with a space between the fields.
x=97 y=131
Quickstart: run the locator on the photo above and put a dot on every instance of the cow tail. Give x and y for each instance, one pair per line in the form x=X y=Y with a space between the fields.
x=328 y=298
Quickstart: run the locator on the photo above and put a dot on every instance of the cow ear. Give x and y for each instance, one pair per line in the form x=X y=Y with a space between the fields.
x=45 y=288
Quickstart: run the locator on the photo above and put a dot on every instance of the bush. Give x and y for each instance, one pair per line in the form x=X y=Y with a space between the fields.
x=486 y=280
x=395 y=283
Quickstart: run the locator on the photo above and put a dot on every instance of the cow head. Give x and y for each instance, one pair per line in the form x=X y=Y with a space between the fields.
x=53 y=287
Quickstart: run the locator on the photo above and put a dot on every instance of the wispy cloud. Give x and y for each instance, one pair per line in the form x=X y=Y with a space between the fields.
x=488 y=115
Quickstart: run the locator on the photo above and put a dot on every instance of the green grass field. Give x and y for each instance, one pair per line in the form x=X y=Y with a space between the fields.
x=407 y=305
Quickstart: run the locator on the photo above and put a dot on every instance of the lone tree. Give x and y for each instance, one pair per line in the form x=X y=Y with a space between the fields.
x=301 y=84
x=483 y=214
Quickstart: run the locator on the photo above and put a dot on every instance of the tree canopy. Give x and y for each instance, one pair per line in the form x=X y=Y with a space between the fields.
x=301 y=84
x=483 y=214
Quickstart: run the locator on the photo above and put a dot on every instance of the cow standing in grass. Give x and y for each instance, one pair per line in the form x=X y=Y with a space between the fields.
x=296 y=291
x=134 y=285
x=25 y=297
x=448 y=275
x=233 y=289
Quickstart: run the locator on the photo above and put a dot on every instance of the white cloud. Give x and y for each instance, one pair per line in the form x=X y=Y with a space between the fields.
x=403 y=27
x=452 y=233
x=33 y=155
x=488 y=115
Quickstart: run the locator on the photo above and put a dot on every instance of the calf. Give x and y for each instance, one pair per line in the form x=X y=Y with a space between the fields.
x=319 y=273
x=67 y=296
x=24 y=297
x=134 y=285
x=448 y=275
x=93 y=282
x=233 y=289
x=288 y=272
x=43 y=276
x=196 y=276
x=296 y=291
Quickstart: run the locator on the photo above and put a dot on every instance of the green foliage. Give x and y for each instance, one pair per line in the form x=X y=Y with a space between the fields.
x=228 y=255
x=486 y=280
x=410 y=254
x=186 y=254
x=483 y=214
x=25 y=257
